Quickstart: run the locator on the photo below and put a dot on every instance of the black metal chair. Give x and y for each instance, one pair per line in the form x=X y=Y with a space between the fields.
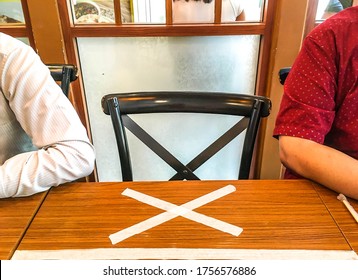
x=64 y=74
x=283 y=73
x=251 y=107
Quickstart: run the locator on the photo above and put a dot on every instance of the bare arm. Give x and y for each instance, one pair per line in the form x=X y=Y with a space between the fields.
x=241 y=16
x=320 y=163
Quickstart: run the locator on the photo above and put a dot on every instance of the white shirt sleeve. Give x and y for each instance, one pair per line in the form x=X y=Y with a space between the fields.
x=237 y=6
x=231 y=9
x=64 y=151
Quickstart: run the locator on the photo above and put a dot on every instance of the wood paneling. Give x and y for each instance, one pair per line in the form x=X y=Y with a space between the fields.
x=289 y=26
x=47 y=30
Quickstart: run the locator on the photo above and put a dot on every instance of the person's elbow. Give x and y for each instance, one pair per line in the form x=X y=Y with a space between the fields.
x=87 y=158
x=294 y=153
x=286 y=150
x=300 y=155
x=80 y=160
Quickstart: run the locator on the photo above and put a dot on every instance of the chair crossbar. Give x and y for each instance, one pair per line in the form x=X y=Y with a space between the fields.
x=154 y=145
x=216 y=146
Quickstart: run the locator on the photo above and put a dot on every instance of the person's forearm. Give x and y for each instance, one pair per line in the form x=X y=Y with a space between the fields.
x=32 y=172
x=320 y=163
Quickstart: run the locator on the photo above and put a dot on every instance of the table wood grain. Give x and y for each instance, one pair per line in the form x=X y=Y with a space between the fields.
x=342 y=216
x=274 y=214
x=15 y=216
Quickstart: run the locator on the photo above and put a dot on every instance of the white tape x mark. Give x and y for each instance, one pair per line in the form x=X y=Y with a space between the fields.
x=172 y=211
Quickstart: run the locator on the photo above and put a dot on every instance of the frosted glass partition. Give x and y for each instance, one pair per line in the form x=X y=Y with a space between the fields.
x=225 y=64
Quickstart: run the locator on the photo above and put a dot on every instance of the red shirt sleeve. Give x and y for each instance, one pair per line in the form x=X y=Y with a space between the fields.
x=308 y=104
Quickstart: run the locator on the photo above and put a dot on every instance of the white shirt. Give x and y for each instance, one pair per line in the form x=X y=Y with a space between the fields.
x=42 y=140
x=198 y=11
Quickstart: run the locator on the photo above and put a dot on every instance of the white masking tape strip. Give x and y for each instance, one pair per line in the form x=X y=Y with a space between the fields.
x=175 y=211
x=186 y=212
x=140 y=227
x=182 y=254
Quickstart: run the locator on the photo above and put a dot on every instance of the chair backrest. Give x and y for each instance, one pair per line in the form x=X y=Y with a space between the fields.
x=64 y=74
x=283 y=73
x=251 y=108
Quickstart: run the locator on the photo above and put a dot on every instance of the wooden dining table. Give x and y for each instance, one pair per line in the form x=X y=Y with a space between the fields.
x=16 y=215
x=244 y=219
x=339 y=212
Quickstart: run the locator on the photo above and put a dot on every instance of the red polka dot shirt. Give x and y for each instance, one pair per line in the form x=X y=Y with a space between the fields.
x=320 y=100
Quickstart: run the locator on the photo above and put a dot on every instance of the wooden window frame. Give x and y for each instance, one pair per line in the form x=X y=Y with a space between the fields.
x=264 y=29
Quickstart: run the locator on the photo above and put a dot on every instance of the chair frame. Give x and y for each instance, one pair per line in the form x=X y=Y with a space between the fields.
x=65 y=74
x=120 y=105
x=283 y=74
